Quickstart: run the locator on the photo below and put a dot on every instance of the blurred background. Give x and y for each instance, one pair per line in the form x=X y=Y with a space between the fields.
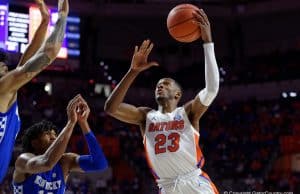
x=250 y=136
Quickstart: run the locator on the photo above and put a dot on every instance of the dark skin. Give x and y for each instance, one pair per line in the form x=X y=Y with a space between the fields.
x=167 y=93
x=50 y=147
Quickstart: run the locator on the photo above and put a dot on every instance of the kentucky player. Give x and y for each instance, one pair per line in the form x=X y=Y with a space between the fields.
x=10 y=81
x=44 y=166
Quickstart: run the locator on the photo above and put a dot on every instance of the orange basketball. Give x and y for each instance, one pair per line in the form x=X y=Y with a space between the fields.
x=180 y=23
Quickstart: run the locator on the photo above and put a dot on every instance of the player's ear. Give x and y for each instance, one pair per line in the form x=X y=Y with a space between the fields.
x=178 y=95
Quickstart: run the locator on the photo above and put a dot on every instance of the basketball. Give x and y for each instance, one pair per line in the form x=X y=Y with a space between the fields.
x=180 y=23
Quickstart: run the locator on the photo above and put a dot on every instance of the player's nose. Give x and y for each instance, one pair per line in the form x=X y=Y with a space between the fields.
x=52 y=137
x=160 y=86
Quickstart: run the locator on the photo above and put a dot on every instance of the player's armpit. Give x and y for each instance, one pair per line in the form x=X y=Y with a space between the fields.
x=129 y=114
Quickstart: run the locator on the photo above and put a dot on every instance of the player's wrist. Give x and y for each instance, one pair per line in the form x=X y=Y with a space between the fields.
x=84 y=126
x=71 y=123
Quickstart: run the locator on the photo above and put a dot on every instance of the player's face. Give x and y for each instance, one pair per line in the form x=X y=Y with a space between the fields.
x=165 y=89
x=46 y=139
x=3 y=69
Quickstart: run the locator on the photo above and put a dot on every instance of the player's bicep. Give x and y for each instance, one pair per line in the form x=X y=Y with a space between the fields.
x=29 y=163
x=15 y=79
x=129 y=114
x=195 y=108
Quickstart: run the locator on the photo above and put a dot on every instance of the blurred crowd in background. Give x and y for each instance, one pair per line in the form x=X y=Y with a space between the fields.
x=249 y=144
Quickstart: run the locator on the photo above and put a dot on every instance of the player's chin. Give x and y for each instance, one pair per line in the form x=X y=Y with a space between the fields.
x=159 y=98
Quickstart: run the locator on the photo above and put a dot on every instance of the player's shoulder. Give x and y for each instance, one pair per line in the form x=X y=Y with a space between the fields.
x=24 y=157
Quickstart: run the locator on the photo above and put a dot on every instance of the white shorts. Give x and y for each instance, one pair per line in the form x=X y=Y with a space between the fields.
x=191 y=183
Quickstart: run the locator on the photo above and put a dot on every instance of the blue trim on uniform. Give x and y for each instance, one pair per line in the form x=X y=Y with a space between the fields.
x=200 y=162
x=205 y=177
x=154 y=174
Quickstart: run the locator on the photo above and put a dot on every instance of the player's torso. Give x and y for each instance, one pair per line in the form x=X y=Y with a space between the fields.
x=9 y=129
x=50 y=182
x=171 y=143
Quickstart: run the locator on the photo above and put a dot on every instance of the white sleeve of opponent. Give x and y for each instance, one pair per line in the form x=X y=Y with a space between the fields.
x=212 y=77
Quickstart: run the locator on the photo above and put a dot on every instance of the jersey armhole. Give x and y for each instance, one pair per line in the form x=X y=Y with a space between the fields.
x=187 y=118
x=145 y=130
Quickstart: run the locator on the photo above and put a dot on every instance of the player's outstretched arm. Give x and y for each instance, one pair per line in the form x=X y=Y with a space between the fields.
x=114 y=104
x=39 y=36
x=31 y=164
x=96 y=160
x=15 y=79
x=199 y=105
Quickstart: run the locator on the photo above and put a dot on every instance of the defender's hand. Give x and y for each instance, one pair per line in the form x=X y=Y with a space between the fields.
x=140 y=57
x=83 y=111
x=72 y=108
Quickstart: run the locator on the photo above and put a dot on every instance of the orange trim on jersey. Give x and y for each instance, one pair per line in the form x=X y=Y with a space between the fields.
x=149 y=161
x=211 y=183
x=199 y=154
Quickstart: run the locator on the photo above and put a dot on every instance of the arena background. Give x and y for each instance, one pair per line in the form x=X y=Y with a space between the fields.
x=250 y=135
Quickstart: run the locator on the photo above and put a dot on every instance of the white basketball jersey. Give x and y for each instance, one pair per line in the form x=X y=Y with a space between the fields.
x=171 y=144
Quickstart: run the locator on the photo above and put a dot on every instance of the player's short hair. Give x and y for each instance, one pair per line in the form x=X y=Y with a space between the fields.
x=34 y=132
x=176 y=83
x=3 y=56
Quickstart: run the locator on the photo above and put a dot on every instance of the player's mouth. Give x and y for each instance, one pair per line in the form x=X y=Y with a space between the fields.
x=159 y=92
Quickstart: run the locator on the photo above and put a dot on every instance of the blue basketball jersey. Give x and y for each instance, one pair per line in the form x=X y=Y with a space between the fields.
x=50 y=182
x=9 y=129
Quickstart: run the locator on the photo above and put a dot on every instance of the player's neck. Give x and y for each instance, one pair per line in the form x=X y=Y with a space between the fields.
x=167 y=107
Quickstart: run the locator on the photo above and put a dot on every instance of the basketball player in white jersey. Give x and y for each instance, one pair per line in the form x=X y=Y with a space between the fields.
x=171 y=133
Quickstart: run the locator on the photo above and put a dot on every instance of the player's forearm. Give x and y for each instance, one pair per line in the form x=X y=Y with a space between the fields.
x=36 y=42
x=212 y=76
x=50 y=49
x=96 y=160
x=59 y=30
x=117 y=96
x=58 y=147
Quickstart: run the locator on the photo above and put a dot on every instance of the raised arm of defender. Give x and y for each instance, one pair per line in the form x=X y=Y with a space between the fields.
x=198 y=106
x=15 y=79
x=40 y=34
x=114 y=104
x=96 y=159
x=31 y=164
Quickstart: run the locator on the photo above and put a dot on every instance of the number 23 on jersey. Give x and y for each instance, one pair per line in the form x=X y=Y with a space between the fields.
x=164 y=143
